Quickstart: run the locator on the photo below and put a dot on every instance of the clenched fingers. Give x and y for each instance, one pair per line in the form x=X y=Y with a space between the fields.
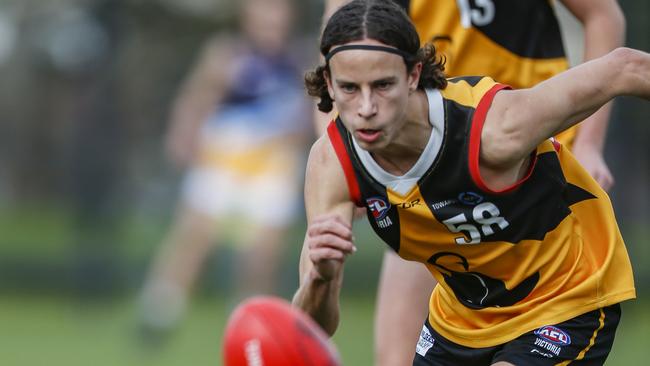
x=329 y=238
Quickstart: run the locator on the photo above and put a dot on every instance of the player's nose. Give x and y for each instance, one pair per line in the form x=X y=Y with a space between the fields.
x=367 y=105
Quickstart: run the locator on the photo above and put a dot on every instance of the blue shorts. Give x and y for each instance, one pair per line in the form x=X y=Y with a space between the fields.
x=584 y=340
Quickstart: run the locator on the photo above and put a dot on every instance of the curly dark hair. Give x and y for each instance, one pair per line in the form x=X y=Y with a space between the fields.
x=386 y=22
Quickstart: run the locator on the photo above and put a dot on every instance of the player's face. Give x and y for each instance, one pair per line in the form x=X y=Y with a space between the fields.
x=370 y=91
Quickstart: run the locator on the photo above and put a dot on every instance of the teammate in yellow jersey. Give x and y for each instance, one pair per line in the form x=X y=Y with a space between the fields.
x=517 y=43
x=461 y=176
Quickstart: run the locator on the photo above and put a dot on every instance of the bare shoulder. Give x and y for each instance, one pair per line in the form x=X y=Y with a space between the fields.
x=219 y=52
x=325 y=184
x=322 y=153
x=216 y=61
x=323 y=167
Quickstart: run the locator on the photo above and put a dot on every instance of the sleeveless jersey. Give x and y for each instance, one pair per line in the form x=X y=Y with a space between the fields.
x=268 y=88
x=540 y=252
x=247 y=132
x=516 y=42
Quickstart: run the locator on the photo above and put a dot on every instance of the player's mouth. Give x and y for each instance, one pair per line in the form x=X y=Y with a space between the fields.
x=368 y=135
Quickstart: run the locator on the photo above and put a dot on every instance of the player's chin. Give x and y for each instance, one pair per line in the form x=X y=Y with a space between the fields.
x=373 y=146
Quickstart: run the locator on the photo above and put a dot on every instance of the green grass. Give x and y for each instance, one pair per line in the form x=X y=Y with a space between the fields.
x=51 y=331
x=631 y=344
x=40 y=231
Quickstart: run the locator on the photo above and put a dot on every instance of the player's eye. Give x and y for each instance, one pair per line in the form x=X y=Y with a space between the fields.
x=383 y=85
x=348 y=88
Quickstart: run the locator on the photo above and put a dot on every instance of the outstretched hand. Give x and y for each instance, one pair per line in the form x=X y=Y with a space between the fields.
x=330 y=241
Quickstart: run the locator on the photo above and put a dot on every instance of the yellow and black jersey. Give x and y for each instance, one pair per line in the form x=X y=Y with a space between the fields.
x=540 y=252
x=516 y=42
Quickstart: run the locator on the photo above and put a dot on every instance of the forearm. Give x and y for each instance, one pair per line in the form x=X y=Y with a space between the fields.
x=593 y=130
x=583 y=90
x=329 y=238
x=603 y=32
x=320 y=299
x=519 y=120
x=634 y=78
x=622 y=72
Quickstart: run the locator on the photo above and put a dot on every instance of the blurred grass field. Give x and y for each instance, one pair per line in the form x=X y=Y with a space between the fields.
x=45 y=323
x=51 y=331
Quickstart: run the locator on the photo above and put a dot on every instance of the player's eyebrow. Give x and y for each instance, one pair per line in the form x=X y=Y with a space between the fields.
x=388 y=79
x=344 y=82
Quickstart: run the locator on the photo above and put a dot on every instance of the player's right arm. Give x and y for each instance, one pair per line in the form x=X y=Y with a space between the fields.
x=198 y=97
x=328 y=240
x=519 y=120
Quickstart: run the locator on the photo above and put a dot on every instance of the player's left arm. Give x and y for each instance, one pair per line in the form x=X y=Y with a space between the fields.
x=329 y=238
x=604 y=29
x=519 y=120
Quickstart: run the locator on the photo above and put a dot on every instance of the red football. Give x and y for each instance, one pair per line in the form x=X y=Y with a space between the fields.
x=268 y=331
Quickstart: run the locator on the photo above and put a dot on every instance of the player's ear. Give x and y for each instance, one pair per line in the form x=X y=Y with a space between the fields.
x=414 y=76
x=328 y=81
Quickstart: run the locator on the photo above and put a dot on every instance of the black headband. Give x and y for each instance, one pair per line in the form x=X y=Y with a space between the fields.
x=405 y=55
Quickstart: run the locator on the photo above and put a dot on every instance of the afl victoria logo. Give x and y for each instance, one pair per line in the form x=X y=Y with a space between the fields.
x=554 y=335
x=378 y=206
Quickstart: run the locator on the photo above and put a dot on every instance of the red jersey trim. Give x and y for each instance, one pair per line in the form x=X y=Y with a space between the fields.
x=556 y=144
x=346 y=164
x=475 y=143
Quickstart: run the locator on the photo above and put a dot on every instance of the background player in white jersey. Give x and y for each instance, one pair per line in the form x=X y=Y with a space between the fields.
x=238 y=125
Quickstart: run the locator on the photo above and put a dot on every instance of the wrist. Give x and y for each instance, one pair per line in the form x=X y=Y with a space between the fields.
x=316 y=277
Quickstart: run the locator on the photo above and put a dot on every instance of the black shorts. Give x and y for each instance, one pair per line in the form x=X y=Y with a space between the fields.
x=584 y=340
